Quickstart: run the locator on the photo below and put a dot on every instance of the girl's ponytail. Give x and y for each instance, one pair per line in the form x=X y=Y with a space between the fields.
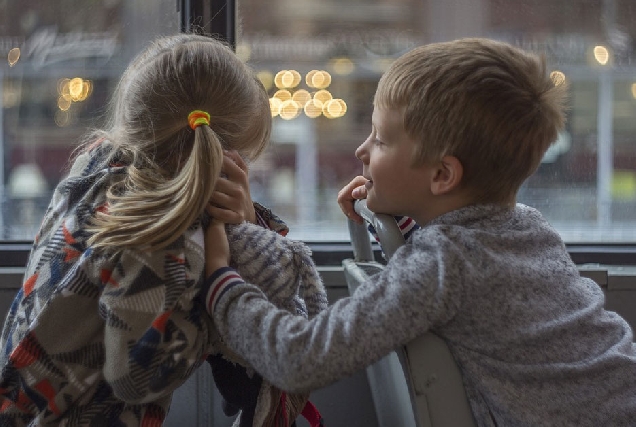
x=150 y=212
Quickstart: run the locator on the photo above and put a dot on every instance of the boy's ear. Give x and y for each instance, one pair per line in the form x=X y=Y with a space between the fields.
x=447 y=175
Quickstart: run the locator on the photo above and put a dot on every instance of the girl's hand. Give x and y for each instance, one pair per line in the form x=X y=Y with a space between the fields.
x=217 y=247
x=231 y=201
x=351 y=192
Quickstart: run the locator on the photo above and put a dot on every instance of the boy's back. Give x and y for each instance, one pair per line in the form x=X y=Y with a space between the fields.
x=531 y=336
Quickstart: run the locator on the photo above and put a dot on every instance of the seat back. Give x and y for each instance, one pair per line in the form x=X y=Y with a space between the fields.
x=420 y=384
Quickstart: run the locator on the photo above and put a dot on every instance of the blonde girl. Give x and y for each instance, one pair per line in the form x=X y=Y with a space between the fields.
x=106 y=325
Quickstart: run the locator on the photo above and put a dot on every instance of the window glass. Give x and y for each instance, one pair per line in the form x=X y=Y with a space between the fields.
x=332 y=53
x=60 y=62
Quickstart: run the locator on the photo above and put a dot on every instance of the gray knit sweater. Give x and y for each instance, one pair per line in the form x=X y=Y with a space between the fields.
x=531 y=337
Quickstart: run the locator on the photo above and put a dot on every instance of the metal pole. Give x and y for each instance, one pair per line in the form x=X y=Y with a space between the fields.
x=306 y=172
x=3 y=234
x=605 y=156
x=605 y=161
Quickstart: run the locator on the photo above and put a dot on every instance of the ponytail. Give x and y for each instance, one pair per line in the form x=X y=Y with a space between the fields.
x=149 y=212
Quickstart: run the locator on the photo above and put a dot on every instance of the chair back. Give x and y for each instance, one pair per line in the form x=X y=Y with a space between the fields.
x=418 y=385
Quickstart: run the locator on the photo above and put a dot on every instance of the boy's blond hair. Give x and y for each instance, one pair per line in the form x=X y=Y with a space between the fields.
x=490 y=104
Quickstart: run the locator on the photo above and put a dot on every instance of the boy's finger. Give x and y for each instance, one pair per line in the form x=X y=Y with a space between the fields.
x=345 y=193
x=347 y=208
x=351 y=192
x=359 y=192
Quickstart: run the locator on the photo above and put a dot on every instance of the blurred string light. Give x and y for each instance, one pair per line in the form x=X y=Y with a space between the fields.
x=342 y=66
x=557 y=77
x=14 y=56
x=70 y=91
x=634 y=90
x=601 y=54
x=288 y=102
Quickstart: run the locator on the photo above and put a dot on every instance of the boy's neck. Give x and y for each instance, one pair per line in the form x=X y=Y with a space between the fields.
x=441 y=208
x=449 y=203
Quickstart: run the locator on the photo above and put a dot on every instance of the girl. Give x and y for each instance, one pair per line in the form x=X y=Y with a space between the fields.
x=106 y=325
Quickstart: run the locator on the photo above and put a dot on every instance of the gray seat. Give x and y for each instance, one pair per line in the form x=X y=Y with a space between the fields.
x=420 y=384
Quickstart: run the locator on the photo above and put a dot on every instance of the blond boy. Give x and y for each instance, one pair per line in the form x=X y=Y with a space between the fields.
x=457 y=127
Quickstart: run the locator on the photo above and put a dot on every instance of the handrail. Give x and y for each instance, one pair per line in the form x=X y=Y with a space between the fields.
x=385 y=227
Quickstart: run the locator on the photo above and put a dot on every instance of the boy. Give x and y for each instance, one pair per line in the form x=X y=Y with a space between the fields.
x=457 y=127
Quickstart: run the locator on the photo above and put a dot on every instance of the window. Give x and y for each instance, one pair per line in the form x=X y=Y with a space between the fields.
x=586 y=184
x=61 y=61
x=321 y=61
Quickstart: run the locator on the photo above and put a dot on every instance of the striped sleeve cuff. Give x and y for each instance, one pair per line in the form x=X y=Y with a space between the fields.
x=217 y=284
x=407 y=226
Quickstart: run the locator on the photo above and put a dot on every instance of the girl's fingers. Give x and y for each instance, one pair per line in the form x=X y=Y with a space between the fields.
x=224 y=215
x=237 y=159
x=224 y=185
x=234 y=167
x=225 y=201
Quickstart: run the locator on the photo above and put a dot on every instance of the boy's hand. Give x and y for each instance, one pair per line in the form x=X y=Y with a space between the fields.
x=231 y=201
x=217 y=247
x=351 y=192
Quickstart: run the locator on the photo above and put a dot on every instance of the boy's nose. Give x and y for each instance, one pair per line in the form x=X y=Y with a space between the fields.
x=361 y=152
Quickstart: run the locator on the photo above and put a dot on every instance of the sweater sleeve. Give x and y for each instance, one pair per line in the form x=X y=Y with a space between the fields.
x=413 y=294
x=155 y=334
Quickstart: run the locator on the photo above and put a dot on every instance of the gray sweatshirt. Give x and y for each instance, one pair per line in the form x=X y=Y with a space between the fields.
x=531 y=337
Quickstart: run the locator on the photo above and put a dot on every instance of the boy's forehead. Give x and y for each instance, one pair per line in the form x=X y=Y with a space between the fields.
x=387 y=117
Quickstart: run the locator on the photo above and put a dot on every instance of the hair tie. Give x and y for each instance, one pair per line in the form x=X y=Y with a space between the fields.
x=197 y=118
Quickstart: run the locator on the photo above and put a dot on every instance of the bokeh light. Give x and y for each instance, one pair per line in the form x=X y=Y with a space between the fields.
x=14 y=56
x=288 y=102
x=289 y=110
x=557 y=77
x=601 y=54
x=342 y=66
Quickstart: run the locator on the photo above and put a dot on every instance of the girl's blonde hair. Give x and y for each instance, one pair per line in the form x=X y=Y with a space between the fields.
x=491 y=105
x=172 y=169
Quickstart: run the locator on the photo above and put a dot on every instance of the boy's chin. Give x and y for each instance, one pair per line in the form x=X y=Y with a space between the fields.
x=379 y=208
x=376 y=207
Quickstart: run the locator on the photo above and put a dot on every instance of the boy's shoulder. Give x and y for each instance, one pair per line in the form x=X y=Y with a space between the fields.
x=486 y=224
x=488 y=216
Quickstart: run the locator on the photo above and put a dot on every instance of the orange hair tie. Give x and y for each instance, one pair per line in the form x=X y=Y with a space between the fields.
x=198 y=118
